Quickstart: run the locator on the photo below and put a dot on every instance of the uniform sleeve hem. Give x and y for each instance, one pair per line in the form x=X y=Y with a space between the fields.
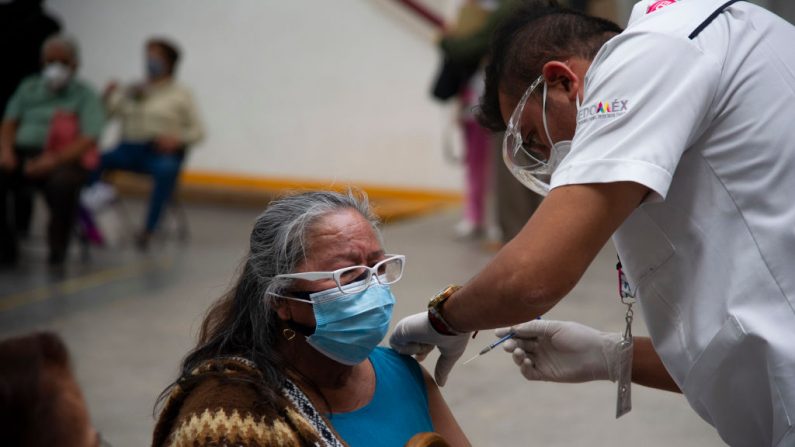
x=610 y=171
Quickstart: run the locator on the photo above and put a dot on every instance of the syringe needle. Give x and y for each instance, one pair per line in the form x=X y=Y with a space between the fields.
x=473 y=358
x=491 y=346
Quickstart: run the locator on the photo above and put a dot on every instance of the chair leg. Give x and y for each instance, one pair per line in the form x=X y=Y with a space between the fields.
x=128 y=229
x=82 y=236
x=181 y=217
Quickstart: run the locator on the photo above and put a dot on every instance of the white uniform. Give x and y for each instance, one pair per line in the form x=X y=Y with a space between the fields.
x=700 y=108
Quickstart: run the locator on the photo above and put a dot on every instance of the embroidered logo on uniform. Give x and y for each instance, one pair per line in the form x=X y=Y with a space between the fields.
x=659 y=4
x=603 y=109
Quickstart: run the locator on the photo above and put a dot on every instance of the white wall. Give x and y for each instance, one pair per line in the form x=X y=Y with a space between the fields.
x=311 y=89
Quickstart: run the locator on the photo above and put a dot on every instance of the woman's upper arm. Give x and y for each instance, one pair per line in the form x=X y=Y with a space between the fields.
x=443 y=420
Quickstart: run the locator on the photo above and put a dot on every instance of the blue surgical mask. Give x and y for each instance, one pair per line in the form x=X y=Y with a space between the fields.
x=155 y=68
x=349 y=327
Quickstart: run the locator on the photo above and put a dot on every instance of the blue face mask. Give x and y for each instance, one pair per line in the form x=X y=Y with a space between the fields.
x=349 y=327
x=155 y=67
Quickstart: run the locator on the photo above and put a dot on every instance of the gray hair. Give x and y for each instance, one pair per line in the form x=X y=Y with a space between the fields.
x=65 y=41
x=279 y=239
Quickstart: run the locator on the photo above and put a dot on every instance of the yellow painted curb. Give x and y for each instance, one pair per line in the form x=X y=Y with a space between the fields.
x=390 y=203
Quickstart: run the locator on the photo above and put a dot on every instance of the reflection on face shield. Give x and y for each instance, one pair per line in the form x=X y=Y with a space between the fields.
x=527 y=160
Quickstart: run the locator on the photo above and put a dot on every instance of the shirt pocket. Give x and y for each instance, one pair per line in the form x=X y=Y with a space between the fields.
x=643 y=248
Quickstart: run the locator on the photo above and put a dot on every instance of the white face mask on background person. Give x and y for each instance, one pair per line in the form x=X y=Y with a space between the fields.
x=526 y=160
x=56 y=75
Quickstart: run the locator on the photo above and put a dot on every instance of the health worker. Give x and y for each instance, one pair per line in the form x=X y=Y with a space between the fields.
x=676 y=137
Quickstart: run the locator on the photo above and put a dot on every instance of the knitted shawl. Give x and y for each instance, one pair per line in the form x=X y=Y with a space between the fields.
x=224 y=402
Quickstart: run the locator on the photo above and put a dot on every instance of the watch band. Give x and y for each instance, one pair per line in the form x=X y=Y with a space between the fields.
x=435 y=317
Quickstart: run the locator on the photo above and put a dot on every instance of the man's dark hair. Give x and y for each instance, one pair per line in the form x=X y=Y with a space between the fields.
x=169 y=50
x=535 y=33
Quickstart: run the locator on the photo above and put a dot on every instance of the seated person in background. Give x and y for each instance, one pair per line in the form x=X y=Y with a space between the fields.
x=159 y=121
x=289 y=357
x=40 y=402
x=42 y=106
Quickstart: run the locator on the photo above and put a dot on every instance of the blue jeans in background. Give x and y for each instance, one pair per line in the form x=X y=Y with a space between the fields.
x=144 y=158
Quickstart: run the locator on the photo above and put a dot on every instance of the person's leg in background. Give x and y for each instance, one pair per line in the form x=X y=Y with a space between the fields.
x=515 y=203
x=9 y=251
x=478 y=144
x=23 y=209
x=62 y=192
x=164 y=169
x=11 y=182
x=126 y=156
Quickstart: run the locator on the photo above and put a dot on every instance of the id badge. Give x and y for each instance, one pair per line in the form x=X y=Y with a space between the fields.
x=624 y=392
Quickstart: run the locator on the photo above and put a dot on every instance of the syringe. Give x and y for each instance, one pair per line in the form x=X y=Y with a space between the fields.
x=493 y=345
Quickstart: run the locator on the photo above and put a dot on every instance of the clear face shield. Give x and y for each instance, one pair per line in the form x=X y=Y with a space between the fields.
x=528 y=160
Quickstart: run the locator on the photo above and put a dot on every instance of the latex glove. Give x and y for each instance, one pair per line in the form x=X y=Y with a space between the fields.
x=563 y=351
x=415 y=336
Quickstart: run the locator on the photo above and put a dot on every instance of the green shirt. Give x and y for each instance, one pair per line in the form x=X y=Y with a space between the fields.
x=33 y=105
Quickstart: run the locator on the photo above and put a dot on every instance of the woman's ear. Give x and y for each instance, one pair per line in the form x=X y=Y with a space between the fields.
x=559 y=75
x=282 y=308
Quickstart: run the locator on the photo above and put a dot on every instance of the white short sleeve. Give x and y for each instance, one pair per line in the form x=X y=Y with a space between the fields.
x=647 y=95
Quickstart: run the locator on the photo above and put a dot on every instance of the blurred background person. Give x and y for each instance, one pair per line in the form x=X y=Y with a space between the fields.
x=41 y=404
x=514 y=203
x=48 y=140
x=24 y=25
x=293 y=346
x=464 y=48
x=784 y=8
x=459 y=57
x=159 y=122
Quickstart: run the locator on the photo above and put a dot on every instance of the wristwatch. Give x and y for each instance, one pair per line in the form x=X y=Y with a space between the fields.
x=438 y=322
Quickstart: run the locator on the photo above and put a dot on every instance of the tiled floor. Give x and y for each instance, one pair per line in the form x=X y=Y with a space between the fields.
x=128 y=319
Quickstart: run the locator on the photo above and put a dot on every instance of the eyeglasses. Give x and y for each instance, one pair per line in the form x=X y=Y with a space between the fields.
x=525 y=155
x=350 y=280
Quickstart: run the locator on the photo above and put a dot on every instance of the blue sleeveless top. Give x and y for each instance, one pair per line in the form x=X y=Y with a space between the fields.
x=398 y=410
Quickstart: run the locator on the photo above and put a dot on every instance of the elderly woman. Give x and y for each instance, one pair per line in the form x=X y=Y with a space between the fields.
x=48 y=141
x=289 y=356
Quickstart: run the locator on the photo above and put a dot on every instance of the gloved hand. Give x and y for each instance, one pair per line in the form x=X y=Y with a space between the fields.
x=563 y=351
x=415 y=336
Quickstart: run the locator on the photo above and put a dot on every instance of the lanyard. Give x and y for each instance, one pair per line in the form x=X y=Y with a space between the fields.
x=627 y=297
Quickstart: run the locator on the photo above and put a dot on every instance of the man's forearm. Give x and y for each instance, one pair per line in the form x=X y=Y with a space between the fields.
x=497 y=297
x=647 y=368
x=546 y=259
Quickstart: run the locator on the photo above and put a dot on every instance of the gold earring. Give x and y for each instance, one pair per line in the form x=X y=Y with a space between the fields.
x=288 y=333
